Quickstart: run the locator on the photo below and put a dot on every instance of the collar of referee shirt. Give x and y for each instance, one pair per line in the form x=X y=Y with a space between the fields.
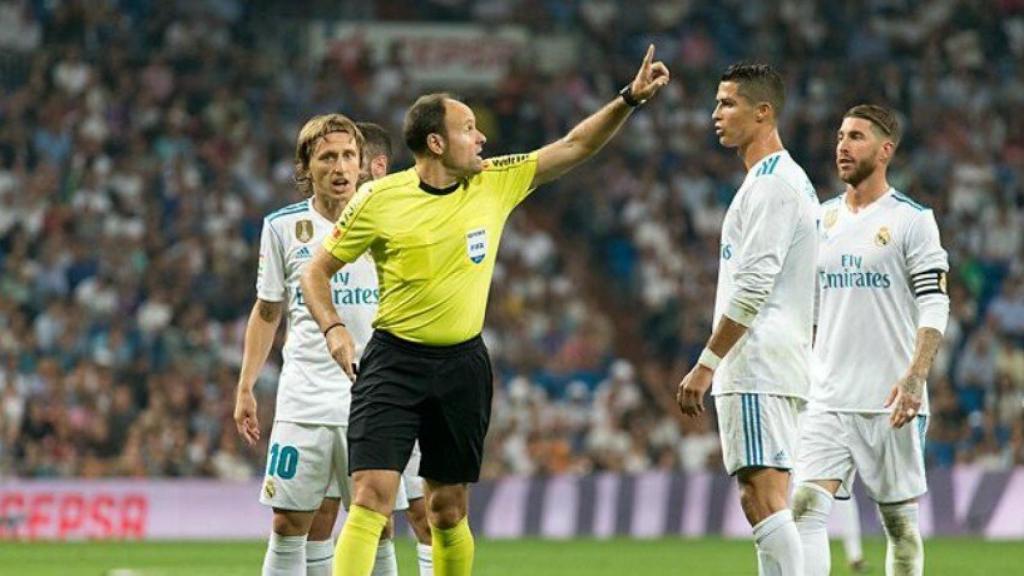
x=439 y=191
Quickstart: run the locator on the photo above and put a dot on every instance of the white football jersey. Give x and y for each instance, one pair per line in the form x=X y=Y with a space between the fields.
x=769 y=253
x=312 y=389
x=873 y=267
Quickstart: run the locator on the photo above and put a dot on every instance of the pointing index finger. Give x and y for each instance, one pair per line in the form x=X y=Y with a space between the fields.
x=649 y=57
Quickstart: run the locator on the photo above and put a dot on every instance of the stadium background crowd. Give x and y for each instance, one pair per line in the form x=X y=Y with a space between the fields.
x=141 y=143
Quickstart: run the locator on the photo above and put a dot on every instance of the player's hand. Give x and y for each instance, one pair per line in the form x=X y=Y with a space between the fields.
x=690 y=396
x=650 y=78
x=343 y=350
x=905 y=399
x=245 y=416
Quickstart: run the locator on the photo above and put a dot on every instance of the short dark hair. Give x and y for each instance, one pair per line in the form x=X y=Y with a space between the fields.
x=758 y=83
x=376 y=139
x=425 y=117
x=882 y=119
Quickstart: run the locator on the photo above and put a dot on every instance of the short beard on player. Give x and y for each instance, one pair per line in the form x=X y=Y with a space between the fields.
x=861 y=172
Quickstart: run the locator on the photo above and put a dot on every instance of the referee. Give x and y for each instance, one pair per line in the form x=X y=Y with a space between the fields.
x=433 y=231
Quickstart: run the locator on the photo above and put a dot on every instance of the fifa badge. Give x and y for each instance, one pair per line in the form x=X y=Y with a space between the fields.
x=476 y=245
x=883 y=237
x=304 y=230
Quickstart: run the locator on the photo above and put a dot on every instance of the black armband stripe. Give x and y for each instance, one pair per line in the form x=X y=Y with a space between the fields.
x=929 y=282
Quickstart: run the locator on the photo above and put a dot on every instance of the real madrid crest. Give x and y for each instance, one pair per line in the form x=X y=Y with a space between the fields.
x=883 y=237
x=268 y=488
x=830 y=218
x=304 y=230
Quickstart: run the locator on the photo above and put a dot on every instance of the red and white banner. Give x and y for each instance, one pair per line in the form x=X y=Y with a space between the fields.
x=451 y=56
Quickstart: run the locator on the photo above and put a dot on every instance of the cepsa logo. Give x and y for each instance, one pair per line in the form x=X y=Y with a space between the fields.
x=72 y=515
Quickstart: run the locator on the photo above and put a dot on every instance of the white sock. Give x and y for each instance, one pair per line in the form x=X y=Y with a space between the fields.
x=286 y=556
x=851 y=533
x=778 y=546
x=386 y=564
x=319 y=557
x=904 y=552
x=424 y=555
x=811 y=506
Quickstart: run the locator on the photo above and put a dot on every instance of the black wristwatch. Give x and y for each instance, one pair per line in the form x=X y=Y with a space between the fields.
x=627 y=96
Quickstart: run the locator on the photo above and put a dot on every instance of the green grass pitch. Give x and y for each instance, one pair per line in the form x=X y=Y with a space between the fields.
x=961 y=557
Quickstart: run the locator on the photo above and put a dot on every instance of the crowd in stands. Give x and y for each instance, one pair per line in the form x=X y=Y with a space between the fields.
x=141 y=144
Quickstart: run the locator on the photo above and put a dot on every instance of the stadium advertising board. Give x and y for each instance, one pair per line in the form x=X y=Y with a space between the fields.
x=964 y=501
x=453 y=56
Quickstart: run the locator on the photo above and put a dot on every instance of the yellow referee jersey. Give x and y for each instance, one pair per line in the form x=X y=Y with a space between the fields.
x=434 y=249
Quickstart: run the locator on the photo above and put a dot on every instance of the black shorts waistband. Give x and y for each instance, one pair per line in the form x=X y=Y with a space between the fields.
x=427 y=350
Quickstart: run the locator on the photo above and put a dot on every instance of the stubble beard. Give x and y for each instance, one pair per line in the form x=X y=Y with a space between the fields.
x=861 y=172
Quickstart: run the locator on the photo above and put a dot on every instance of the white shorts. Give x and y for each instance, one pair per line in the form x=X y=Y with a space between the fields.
x=841 y=445
x=307 y=463
x=758 y=430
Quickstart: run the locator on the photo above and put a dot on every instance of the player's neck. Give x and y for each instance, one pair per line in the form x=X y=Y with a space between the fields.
x=763 y=145
x=863 y=194
x=434 y=174
x=330 y=209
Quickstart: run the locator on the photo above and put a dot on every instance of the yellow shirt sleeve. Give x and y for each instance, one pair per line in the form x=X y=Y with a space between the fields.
x=512 y=175
x=355 y=230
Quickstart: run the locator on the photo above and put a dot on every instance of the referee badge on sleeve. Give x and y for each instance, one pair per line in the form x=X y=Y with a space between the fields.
x=476 y=245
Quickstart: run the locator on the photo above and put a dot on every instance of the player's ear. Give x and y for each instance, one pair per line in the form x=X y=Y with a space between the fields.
x=888 y=149
x=436 y=143
x=763 y=112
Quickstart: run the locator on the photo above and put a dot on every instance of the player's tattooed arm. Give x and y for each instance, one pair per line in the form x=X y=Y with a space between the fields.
x=927 y=346
x=907 y=394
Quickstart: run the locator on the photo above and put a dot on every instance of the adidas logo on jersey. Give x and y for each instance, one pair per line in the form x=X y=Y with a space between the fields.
x=781 y=458
x=304 y=253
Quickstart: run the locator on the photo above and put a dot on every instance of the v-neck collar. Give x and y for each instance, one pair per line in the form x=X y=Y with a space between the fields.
x=865 y=210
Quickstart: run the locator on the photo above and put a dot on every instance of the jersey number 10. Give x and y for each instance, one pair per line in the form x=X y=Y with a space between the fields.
x=283 y=461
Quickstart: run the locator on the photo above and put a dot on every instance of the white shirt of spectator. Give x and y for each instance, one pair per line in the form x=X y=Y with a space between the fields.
x=769 y=247
x=868 y=314
x=312 y=388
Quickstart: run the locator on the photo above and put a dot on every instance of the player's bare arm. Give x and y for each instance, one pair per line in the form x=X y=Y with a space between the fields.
x=590 y=135
x=316 y=289
x=906 y=395
x=695 y=384
x=259 y=337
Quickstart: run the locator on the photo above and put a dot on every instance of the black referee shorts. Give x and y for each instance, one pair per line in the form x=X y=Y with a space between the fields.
x=438 y=394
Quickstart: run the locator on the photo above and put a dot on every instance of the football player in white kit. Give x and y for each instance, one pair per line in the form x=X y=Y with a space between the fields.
x=307 y=464
x=882 y=310
x=758 y=356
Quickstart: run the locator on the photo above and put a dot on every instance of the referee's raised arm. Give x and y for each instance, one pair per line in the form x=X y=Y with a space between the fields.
x=590 y=135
